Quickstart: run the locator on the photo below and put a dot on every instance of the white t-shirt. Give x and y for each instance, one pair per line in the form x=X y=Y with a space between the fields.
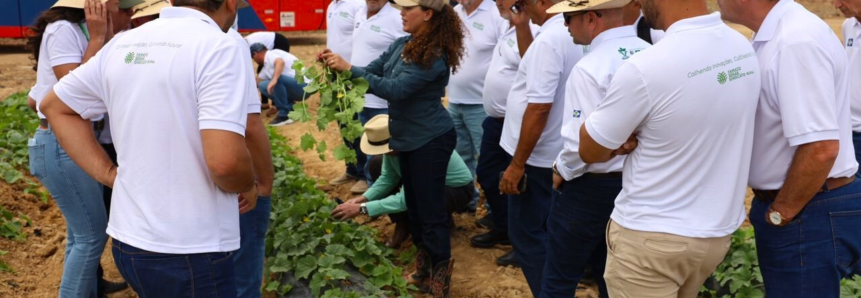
x=62 y=43
x=162 y=83
x=502 y=70
x=340 y=17
x=372 y=37
x=852 y=40
x=657 y=35
x=691 y=100
x=251 y=98
x=268 y=71
x=265 y=38
x=484 y=28
x=541 y=79
x=804 y=97
x=584 y=91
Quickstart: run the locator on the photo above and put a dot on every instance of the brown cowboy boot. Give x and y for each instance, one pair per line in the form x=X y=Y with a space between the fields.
x=421 y=277
x=441 y=274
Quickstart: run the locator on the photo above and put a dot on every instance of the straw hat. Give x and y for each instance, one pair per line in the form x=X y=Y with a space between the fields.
x=584 y=5
x=72 y=3
x=436 y=5
x=149 y=7
x=375 y=140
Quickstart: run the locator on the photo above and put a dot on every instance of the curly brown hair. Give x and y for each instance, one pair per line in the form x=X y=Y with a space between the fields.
x=37 y=30
x=444 y=37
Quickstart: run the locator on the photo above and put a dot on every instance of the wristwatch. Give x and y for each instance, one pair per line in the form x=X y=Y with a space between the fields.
x=775 y=218
x=363 y=208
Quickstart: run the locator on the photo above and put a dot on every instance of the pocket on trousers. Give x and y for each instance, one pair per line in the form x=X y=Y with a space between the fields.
x=169 y=276
x=665 y=246
x=847 y=237
x=37 y=159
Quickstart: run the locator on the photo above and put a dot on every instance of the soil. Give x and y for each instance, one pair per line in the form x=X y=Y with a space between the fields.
x=38 y=260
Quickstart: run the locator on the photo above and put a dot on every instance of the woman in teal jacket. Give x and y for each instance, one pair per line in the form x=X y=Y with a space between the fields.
x=412 y=75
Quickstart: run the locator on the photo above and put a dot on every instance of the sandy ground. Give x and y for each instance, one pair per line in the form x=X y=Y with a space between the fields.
x=38 y=261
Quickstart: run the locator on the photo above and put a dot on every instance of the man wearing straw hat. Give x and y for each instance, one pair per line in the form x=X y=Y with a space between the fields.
x=581 y=209
x=175 y=217
x=386 y=196
x=148 y=11
x=669 y=107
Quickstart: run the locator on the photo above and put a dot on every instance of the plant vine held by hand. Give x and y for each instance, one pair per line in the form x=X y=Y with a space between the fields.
x=342 y=97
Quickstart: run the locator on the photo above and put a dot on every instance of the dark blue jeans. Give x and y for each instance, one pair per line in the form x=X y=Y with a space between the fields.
x=527 y=213
x=154 y=275
x=366 y=115
x=248 y=260
x=492 y=160
x=285 y=94
x=576 y=238
x=809 y=256
x=856 y=140
x=423 y=173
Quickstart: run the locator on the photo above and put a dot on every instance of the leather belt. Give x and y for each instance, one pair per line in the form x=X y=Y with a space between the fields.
x=603 y=175
x=829 y=185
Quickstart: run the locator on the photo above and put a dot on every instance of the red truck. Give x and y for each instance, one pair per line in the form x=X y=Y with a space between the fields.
x=264 y=15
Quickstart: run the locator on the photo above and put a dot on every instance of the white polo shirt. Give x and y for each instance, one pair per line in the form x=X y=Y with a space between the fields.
x=62 y=43
x=340 y=17
x=586 y=88
x=691 y=101
x=265 y=38
x=372 y=37
x=251 y=98
x=799 y=103
x=268 y=71
x=484 y=28
x=541 y=79
x=852 y=40
x=162 y=83
x=502 y=71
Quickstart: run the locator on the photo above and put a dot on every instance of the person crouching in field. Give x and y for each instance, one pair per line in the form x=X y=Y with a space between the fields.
x=277 y=81
x=411 y=75
x=386 y=196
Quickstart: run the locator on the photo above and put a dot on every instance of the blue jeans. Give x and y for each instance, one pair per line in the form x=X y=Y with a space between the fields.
x=285 y=94
x=809 y=256
x=80 y=200
x=576 y=238
x=366 y=115
x=527 y=214
x=152 y=274
x=492 y=161
x=423 y=174
x=467 y=123
x=248 y=260
x=856 y=140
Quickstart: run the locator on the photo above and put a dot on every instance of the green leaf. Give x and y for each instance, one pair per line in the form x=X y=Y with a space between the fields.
x=317 y=282
x=322 y=147
x=307 y=142
x=342 y=152
x=338 y=250
x=272 y=286
x=305 y=266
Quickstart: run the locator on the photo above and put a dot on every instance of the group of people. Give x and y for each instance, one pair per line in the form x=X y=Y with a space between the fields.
x=616 y=136
x=620 y=137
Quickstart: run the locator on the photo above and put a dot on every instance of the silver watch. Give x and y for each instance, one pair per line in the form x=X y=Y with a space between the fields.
x=363 y=208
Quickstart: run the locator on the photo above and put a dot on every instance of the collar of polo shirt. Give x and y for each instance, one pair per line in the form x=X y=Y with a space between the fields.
x=695 y=23
x=183 y=12
x=769 y=25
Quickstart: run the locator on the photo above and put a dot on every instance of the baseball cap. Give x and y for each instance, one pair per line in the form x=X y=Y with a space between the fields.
x=436 y=5
x=257 y=48
x=584 y=5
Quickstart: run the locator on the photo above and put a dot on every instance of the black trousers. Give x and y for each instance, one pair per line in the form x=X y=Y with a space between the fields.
x=281 y=43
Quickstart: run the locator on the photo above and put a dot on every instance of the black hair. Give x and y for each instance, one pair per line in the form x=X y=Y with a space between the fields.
x=34 y=41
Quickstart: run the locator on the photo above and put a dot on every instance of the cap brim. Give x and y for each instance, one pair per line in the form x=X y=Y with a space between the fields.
x=572 y=6
x=369 y=149
x=72 y=3
x=153 y=9
x=130 y=4
x=400 y=4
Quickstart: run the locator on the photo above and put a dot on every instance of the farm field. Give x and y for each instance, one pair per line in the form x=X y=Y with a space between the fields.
x=37 y=261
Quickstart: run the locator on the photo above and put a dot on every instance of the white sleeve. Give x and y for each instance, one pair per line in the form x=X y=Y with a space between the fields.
x=254 y=106
x=82 y=89
x=806 y=94
x=222 y=92
x=62 y=45
x=543 y=78
x=623 y=111
x=582 y=92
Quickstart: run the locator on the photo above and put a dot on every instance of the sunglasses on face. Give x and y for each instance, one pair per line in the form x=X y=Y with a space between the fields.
x=570 y=16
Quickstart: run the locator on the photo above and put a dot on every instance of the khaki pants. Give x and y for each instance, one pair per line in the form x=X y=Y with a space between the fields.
x=647 y=264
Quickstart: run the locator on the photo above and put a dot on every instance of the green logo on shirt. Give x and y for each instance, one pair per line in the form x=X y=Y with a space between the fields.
x=478 y=26
x=129 y=57
x=375 y=28
x=138 y=58
x=627 y=53
x=722 y=78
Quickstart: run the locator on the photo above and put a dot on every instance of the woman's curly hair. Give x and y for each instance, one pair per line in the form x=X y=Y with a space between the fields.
x=443 y=37
x=34 y=40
